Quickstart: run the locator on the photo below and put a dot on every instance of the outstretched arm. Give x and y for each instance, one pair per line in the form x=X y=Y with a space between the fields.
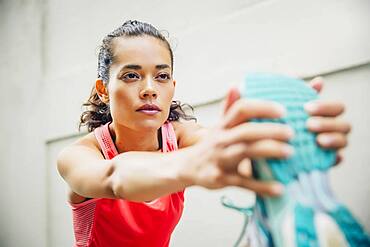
x=215 y=160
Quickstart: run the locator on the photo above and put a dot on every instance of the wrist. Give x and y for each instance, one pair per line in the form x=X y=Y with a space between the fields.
x=183 y=171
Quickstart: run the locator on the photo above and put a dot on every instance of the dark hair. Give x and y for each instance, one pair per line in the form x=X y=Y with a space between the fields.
x=97 y=112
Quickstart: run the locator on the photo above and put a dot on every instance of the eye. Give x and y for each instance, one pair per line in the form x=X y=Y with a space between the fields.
x=163 y=77
x=130 y=76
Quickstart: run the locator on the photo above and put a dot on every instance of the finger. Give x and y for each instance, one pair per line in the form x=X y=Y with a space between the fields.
x=332 y=140
x=234 y=154
x=261 y=188
x=245 y=168
x=249 y=132
x=243 y=110
x=324 y=108
x=231 y=156
x=325 y=124
x=268 y=149
x=317 y=83
x=232 y=96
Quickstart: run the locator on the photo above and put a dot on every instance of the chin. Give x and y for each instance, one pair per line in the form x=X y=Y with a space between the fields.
x=149 y=124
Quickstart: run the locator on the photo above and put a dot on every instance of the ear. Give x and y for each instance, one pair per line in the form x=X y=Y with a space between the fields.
x=102 y=90
x=174 y=83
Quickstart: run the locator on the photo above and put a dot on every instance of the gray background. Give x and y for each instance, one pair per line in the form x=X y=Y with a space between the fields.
x=48 y=64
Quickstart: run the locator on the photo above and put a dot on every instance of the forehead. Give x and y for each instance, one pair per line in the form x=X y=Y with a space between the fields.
x=140 y=50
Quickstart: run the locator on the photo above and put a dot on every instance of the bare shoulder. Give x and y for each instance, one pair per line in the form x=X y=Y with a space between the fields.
x=87 y=141
x=182 y=126
x=84 y=148
x=188 y=133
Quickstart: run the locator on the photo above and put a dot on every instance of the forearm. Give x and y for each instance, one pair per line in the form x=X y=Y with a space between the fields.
x=145 y=176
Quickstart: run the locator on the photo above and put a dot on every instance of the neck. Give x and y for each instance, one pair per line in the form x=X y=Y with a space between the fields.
x=127 y=139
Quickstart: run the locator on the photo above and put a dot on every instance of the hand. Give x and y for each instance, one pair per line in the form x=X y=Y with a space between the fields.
x=332 y=132
x=223 y=157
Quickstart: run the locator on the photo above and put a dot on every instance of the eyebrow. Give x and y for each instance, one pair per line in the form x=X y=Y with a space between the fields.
x=138 y=67
x=162 y=66
x=132 y=66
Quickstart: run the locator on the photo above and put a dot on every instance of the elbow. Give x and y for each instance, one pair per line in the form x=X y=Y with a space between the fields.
x=115 y=180
x=119 y=183
x=122 y=187
x=121 y=190
x=116 y=189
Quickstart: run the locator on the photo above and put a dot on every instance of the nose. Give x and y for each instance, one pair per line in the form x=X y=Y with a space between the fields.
x=148 y=90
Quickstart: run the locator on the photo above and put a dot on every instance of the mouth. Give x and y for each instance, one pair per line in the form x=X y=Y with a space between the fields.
x=149 y=109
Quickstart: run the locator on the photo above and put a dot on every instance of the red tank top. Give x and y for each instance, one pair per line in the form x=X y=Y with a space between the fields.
x=116 y=222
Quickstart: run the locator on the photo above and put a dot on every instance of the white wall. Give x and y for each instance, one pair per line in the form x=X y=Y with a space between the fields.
x=22 y=125
x=48 y=65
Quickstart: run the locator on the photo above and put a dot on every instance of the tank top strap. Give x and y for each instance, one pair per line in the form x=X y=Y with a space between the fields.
x=105 y=141
x=104 y=138
x=169 y=139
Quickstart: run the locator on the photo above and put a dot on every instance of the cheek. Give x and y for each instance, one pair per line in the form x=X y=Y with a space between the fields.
x=120 y=102
x=167 y=97
x=168 y=92
x=119 y=96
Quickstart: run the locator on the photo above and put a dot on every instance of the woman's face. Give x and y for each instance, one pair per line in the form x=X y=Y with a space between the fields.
x=141 y=86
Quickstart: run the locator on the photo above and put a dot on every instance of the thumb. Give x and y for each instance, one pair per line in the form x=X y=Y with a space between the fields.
x=232 y=95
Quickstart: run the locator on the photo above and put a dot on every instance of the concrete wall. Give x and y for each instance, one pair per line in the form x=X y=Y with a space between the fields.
x=22 y=125
x=48 y=65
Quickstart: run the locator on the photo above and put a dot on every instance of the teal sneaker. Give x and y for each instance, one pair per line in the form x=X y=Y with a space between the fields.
x=307 y=214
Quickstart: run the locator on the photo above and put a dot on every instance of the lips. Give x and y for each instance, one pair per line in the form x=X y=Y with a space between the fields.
x=149 y=109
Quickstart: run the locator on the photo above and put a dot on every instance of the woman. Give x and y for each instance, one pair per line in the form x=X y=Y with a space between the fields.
x=128 y=175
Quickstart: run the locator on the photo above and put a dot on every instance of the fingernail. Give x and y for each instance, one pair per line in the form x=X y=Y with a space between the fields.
x=310 y=107
x=277 y=189
x=281 y=109
x=288 y=151
x=313 y=124
x=290 y=133
x=325 y=140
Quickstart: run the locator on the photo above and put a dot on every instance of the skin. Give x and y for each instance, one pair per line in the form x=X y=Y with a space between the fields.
x=141 y=73
x=212 y=158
